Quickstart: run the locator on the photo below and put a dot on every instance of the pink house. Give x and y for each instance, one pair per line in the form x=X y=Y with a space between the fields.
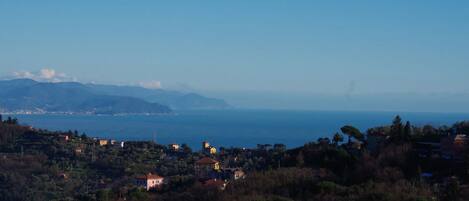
x=149 y=181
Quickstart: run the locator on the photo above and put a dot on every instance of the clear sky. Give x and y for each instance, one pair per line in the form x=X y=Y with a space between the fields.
x=329 y=46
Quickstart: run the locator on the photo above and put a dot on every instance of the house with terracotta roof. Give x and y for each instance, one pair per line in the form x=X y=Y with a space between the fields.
x=149 y=181
x=215 y=184
x=205 y=166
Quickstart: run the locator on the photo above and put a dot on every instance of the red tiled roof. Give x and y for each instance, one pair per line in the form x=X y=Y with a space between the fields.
x=149 y=176
x=206 y=160
x=215 y=183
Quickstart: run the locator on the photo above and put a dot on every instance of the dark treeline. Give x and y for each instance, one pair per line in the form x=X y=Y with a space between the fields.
x=394 y=162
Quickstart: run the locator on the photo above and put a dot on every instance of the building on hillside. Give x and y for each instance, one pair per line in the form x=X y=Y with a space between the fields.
x=78 y=151
x=206 y=167
x=358 y=145
x=208 y=149
x=113 y=142
x=452 y=146
x=212 y=150
x=280 y=147
x=264 y=147
x=239 y=174
x=63 y=138
x=233 y=173
x=63 y=175
x=174 y=147
x=149 y=181
x=324 y=141
x=215 y=184
x=102 y=142
x=205 y=145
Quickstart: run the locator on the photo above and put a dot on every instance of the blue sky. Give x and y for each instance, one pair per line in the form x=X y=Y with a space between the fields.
x=303 y=47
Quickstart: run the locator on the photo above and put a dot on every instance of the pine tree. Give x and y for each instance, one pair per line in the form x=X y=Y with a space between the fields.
x=407 y=131
x=396 y=128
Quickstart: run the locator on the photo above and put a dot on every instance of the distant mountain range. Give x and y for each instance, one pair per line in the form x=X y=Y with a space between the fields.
x=29 y=96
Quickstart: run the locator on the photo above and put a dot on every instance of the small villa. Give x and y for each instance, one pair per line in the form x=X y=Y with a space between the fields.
x=102 y=142
x=233 y=173
x=78 y=150
x=207 y=163
x=205 y=166
x=149 y=181
x=207 y=148
x=453 y=146
x=174 y=147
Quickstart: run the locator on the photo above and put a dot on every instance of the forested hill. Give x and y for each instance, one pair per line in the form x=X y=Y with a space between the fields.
x=37 y=164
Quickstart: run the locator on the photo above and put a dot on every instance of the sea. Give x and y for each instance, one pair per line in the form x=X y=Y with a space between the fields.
x=230 y=128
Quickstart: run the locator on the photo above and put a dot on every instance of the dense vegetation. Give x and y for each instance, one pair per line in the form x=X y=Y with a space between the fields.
x=37 y=164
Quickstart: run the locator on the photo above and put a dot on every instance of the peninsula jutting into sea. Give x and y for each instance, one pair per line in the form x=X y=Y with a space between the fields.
x=397 y=161
x=26 y=96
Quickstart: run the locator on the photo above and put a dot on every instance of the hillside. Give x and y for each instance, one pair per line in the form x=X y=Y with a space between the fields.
x=25 y=95
x=173 y=99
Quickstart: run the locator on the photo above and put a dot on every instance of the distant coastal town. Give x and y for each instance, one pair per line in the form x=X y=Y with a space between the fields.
x=395 y=162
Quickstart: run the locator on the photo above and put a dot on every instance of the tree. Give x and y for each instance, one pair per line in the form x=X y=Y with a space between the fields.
x=138 y=194
x=407 y=131
x=102 y=195
x=396 y=128
x=352 y=132
x=461 y=127
x=186 y=149
x=452 y=190
x=337 y=138
x=300 y=160
x=83 y=136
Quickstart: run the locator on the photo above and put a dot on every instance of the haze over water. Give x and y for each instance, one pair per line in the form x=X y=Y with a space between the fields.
x=239 y=128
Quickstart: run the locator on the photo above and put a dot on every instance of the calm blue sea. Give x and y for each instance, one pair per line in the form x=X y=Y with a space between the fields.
x=240 y=128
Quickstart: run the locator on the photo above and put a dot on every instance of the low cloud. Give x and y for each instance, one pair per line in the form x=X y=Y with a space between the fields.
x=151 y=84
x=44 y=75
